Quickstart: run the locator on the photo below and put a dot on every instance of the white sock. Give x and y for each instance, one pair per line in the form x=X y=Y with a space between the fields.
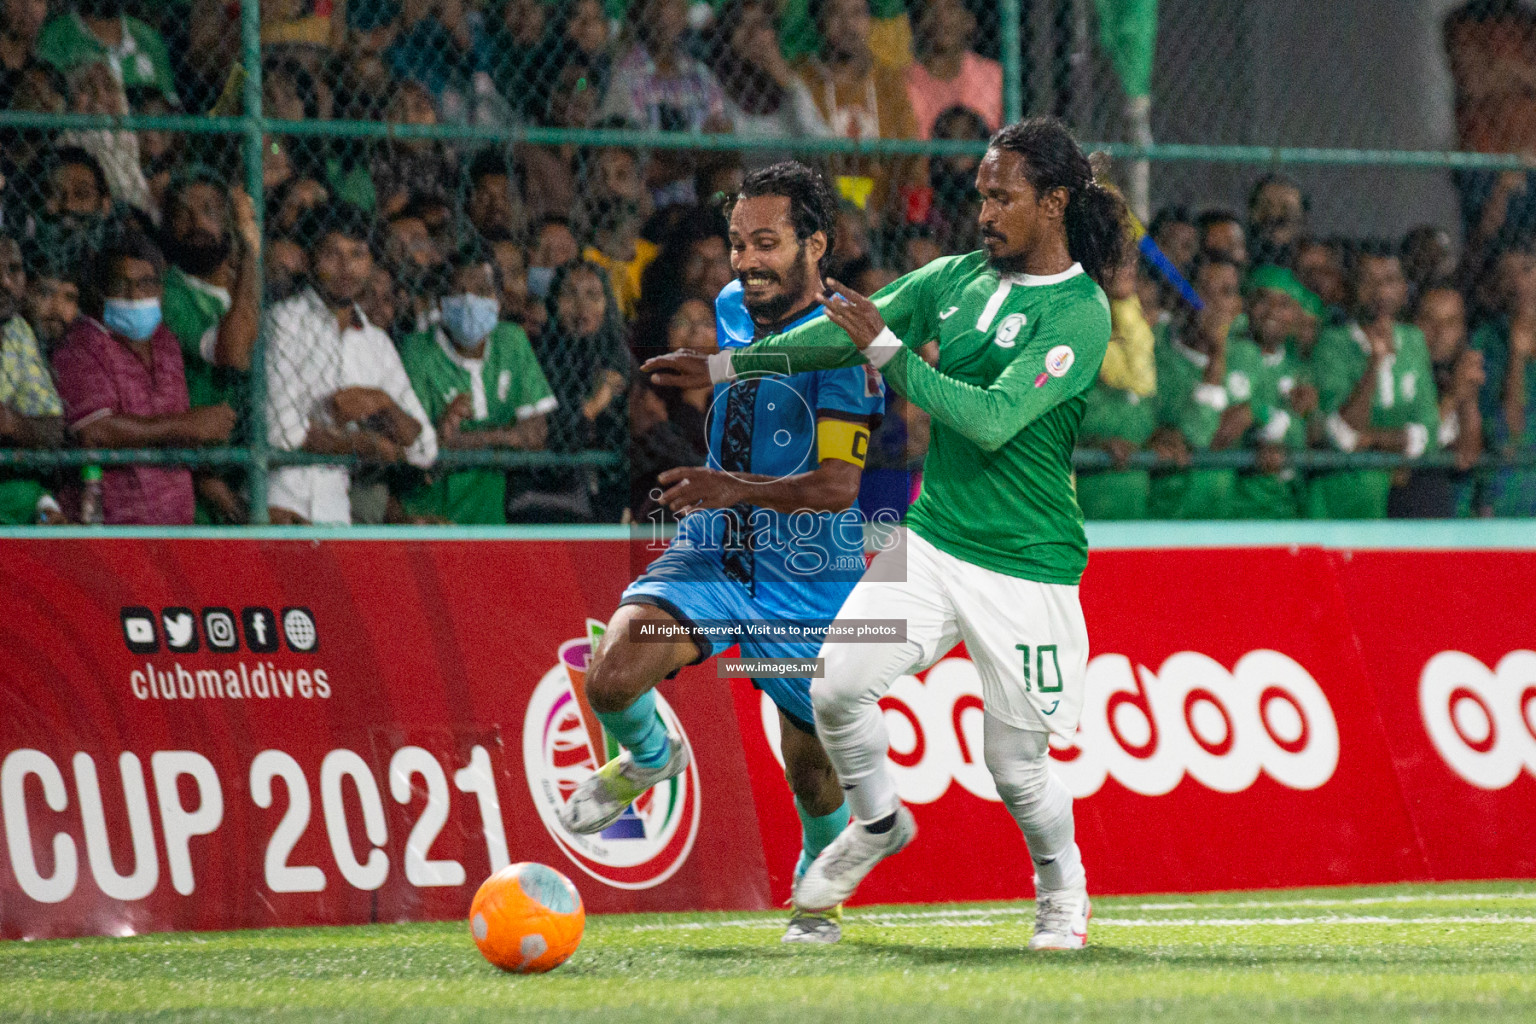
x=851 y=725
x=1019 y=761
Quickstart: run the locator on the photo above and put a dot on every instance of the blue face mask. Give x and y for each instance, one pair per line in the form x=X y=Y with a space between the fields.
x=469 y=318
x=134 y=319
x=539 y=280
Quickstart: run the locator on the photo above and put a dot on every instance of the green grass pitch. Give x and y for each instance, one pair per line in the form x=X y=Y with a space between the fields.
x=1464 y=953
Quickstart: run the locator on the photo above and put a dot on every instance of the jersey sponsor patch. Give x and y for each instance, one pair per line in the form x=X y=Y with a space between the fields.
x=1009 y=329
x=1059 y=360
x=949 y=312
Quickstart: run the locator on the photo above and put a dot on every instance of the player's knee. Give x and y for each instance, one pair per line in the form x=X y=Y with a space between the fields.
x=812 y=785
x=840 y=694
x=1020 y=781
x=834 y=700
x=612 y=683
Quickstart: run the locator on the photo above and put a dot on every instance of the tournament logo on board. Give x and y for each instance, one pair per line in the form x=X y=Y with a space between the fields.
x=563 y=744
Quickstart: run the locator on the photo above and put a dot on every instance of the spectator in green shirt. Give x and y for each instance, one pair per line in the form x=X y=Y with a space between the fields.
x=1376 y=388
x=479 y=381
x=212 y=304
x=1196 y=406
x=1270 y=377
x=99 y=30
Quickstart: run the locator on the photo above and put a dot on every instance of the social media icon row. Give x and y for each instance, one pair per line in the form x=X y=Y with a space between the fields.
x=262 y=630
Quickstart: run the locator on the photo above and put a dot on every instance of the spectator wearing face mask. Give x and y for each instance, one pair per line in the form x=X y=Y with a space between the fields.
x=479 y=381
x=119 y=372
x=554 y=245
x=587 y=363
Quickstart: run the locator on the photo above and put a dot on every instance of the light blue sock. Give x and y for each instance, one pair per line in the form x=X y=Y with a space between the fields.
x=639 y=730
x=816 y=834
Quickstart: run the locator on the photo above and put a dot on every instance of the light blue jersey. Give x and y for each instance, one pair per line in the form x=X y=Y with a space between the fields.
x=729 y=567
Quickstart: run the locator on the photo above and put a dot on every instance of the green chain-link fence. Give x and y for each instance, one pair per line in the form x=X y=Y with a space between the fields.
x=393 y=151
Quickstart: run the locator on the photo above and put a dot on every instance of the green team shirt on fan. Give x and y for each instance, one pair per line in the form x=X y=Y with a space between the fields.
x=505 y=387
x=1268 y=380
x=1189 y=404
x=193 y=309
x=1016 y=355
x=1116 y=413
x=1403 y=396
x=140 y=60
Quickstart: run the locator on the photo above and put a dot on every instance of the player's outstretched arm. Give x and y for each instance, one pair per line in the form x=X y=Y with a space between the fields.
x=822 y=344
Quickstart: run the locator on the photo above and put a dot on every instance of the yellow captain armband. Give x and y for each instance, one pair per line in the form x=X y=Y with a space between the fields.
x=841 y=439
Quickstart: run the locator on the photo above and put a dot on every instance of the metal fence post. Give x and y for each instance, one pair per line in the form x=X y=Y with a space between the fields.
x=1011 y=14
x=256 y=413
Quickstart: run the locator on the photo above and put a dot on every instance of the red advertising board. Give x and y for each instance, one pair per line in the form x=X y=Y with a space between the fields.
x=215 y=733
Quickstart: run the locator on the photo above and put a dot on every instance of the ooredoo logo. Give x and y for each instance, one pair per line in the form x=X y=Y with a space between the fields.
x=1145 y=730
x=563 y=744
x=1482 y=722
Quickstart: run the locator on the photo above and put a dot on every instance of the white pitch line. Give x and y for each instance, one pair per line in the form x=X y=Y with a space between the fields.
x=936 y=921
x=1360 y=901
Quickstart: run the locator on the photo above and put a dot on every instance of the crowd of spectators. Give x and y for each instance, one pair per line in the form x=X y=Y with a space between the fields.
x=419 y=295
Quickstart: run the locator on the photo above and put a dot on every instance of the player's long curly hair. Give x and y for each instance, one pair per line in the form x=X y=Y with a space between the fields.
x=1097 y=220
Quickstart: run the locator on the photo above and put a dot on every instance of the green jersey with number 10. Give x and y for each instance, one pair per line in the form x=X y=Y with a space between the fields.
x=1016 y=354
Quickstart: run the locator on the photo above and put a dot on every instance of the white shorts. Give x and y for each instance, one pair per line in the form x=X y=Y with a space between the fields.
x=1028 y=640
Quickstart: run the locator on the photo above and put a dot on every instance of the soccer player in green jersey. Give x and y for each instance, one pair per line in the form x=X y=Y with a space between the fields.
x=994 y=548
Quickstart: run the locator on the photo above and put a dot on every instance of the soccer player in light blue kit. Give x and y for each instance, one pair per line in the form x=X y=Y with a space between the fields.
x=771 y=541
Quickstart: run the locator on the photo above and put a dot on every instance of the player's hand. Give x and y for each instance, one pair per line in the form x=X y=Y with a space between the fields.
x=852 y=312
x=691 y=487
x=683 y=369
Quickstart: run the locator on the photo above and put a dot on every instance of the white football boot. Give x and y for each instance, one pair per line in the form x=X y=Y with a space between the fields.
x=822 y=927
x=1061 y=919
x=840 y=868
x=602 y=798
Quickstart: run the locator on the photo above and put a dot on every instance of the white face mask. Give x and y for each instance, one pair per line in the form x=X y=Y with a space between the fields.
x=469 y=318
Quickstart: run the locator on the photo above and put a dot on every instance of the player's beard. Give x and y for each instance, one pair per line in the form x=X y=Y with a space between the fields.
x=792 y=288
x=1013 y=263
